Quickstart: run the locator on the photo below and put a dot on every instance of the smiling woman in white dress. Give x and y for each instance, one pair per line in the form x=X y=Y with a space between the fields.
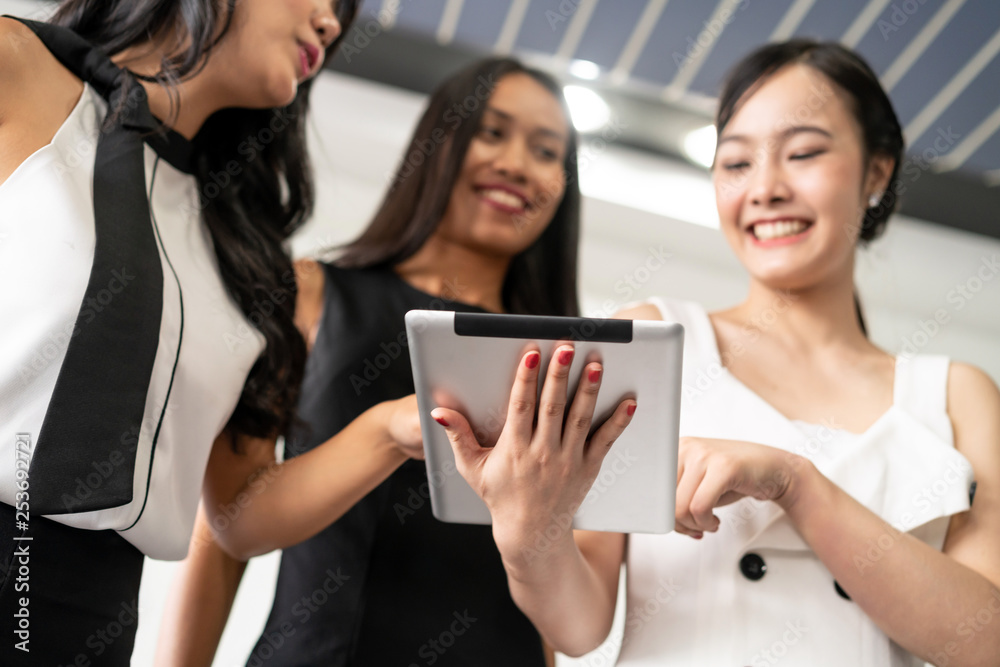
x=152 y=163
x=853 y=534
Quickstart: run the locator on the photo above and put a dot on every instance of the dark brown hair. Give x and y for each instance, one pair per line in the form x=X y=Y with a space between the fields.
x=872 y=109
x=542 y=279
x=250 y=217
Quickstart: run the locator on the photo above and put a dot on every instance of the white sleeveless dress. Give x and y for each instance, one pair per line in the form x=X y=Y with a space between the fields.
x=754 y=593
x=206 y=346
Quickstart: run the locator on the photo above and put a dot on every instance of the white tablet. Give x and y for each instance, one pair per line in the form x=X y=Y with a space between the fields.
x=467 y=361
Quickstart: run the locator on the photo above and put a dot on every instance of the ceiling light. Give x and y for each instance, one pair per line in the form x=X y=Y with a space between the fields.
x=699 y=145
x=588 y=109
x=585 y=69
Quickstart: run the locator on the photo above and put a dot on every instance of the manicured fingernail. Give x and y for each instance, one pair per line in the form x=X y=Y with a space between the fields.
x=630 y=410
x=594 y=375
x=565 y=357
x=441 y=420
x=532 y=360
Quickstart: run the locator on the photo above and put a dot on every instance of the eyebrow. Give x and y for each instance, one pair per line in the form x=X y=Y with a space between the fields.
x=785 y=135
x=541 y=130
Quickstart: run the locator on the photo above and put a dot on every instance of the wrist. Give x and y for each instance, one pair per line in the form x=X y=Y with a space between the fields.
x=383 y=444
x=805 y=487
x=530 y=555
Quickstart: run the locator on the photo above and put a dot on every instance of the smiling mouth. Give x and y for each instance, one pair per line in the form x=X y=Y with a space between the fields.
x=504 y=200
x=779 y=229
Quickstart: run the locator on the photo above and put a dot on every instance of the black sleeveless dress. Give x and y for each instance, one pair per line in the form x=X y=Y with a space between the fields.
x=387 y=584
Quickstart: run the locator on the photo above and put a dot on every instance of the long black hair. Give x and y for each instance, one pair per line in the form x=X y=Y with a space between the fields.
x=880 y=129
x=541 y=280
x=250 y=217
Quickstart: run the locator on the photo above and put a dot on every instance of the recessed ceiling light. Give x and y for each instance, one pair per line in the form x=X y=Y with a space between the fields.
x=588 y=109
x=699 y=145
x=585 y=69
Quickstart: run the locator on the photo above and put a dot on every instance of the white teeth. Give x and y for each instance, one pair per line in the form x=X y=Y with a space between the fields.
x=765 y=231
x=504 y=198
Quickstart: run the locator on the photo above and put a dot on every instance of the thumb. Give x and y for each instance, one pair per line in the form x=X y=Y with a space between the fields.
x=468 y=452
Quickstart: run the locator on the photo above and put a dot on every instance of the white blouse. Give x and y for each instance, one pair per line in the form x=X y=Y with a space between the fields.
x=206 y=346
x=754 y=593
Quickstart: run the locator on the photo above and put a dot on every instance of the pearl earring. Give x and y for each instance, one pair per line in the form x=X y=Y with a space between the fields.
x=874 y=199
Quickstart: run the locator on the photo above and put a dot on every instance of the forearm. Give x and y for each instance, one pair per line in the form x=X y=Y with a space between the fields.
x=563 y=594
x=199 y=605
x=291 y=501
x=892 y=575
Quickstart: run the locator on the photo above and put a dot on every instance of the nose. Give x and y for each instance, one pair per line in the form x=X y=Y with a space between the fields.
x=768 y=184
x=325 y=23
x=511 y=160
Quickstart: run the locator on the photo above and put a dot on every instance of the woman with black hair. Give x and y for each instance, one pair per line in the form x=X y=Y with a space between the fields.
x=152 y=163
x=854 y=535
x=482 y=215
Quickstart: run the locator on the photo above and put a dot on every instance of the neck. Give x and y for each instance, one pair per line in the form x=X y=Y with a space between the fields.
x=457 y=273
x=820 y=316
x=192 y=101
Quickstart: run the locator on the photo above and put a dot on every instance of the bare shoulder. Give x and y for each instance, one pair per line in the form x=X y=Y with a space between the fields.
x=642 y=311
x=309 y=300
x=974 y=408
x=17 y=46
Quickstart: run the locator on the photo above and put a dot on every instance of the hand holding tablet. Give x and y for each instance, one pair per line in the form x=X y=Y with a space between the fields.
x=479 y=378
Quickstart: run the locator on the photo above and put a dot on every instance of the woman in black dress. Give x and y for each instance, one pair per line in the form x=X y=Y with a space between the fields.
x=483 y=215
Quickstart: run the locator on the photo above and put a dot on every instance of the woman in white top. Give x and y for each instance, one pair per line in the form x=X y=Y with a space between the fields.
x=147 y=302
x=849 y=535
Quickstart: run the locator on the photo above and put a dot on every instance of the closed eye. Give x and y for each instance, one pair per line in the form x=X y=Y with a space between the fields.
x=736 y=166
x=806 y=156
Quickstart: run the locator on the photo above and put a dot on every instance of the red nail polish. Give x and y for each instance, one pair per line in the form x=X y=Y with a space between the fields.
x=440 y=420
x=565 y=357
x=630 y=410
x=594 y=376
x=532 y=360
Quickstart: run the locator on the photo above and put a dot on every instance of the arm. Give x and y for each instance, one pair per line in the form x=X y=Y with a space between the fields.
x=893 y=591
x=256 y=505
x=199 y=604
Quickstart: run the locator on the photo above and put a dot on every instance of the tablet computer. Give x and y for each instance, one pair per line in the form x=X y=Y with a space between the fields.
x=467 y=362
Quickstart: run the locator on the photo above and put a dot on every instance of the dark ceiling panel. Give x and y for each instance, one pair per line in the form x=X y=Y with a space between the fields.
x=955 y=46
x=830 y=20
x=610 y=27
x=481 y=21
x=898 y=24
x=423 y=16
x=750 y=27
x=964 y=114
x=987 y=158
x=675 y=33
x=545 y=25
